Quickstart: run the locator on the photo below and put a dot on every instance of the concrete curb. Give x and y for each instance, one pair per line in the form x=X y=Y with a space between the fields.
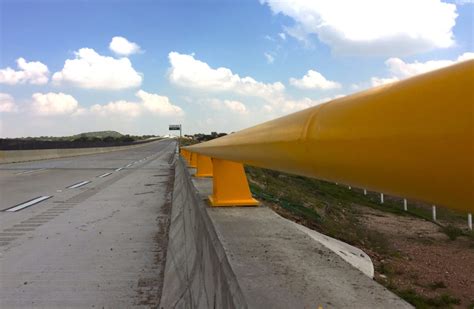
x=352 y=255
x=197 y=272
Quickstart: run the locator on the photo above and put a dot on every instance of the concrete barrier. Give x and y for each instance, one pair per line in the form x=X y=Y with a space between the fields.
x=197 y=272
x=14 y=156
x=252 y=258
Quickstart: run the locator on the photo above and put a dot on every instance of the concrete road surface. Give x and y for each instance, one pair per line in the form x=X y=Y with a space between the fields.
x=87 y=231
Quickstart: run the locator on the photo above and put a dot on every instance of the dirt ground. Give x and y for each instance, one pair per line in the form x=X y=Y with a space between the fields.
x=426 y=260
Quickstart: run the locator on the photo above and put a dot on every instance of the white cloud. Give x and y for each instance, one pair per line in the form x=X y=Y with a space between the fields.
x=236 y=106
x=400 y=69
x=93 y=71
x=123 y=108
x=403 y=69
x=222 y=105
x=33 y=72
x=286 y=106
x=269 y=38
x=122 y=46
x=383 y=27
x=282 y=35
x=188 y=72
x=158 y=104
x=378 y=81
x=314 y=80
x=7 y=103
x=149 y=103
x=269 y=57
x=53 y=104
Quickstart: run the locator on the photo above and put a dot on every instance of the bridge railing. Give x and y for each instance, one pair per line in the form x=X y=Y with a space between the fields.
x=413 y=138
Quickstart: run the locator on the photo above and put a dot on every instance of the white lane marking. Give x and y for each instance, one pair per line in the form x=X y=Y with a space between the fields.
x=29 y=203
x=119 y=169
x=105 y=175
x=128 y=165
x=30 y=171
x=77 y=185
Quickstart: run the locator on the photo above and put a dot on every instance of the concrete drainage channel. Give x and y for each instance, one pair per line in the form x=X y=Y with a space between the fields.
x=252 y=258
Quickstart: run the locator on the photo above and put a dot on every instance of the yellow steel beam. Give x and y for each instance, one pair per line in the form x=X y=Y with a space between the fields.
x=412 y=139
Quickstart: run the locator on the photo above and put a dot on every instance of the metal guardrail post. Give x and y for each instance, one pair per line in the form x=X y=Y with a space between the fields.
x=230 y=185
x=204 y=166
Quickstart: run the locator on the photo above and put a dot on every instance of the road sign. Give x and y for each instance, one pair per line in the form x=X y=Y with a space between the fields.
x=175 y=127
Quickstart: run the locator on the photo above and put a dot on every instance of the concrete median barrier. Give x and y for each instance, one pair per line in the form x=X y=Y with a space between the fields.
x=197 y=272
x=14 y=156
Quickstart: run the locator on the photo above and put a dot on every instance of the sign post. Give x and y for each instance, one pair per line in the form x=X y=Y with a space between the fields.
x=175 y=127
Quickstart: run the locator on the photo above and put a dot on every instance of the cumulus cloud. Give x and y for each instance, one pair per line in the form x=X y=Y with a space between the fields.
x=286 y=106
x=33 y=72
x=186 y=71
x=149 y=103
x=378 y=81
x=93 y=71
x=236 y=106
x=7 y=103
x=122 y=46
x=53 y=104
x=383 y=27
x=215 y=104
x=314 y=80
x=402 y=69
x=124 y=108
x=158 y=104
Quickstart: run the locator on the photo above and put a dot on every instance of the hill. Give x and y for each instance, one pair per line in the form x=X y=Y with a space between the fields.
x=99 y=134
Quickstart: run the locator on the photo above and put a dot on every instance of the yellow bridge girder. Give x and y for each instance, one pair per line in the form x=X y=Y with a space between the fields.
x=413 y=138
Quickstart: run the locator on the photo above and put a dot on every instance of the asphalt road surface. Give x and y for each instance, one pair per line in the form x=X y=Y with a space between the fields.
x=87 y=231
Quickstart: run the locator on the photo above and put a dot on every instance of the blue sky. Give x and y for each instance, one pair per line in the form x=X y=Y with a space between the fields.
x=210 y=65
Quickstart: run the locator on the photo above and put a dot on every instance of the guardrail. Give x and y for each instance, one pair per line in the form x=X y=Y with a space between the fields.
x=413 y=138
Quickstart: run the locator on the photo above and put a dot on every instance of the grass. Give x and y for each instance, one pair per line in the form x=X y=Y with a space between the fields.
x=452 y=232
x=441 y=301
x=320 y=205
x=437 y=285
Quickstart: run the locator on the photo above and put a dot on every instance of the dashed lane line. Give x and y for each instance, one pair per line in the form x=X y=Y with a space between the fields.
x=79 y=184
x=29 y=203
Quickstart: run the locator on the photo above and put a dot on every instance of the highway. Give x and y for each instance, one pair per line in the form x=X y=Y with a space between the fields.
x=86 y=231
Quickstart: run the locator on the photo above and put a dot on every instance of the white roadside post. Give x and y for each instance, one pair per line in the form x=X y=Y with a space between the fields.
x=350 y=188
x=469 y=221
x=365 y=191
x=381 y=198
x=405 y=204
x=434 y=212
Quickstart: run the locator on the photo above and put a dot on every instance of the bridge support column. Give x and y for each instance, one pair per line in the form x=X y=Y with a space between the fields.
x=204 y=166
x=230 y=185
x=193 y=159
x=186 y=155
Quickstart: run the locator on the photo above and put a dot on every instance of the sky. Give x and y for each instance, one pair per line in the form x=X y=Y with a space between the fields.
x=70 y=66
